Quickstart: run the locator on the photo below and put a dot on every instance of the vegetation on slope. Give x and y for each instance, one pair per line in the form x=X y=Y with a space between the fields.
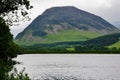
x=61 y=36
x=116 y=45
x=70 y=35
x=105 y=40
x=94 y=45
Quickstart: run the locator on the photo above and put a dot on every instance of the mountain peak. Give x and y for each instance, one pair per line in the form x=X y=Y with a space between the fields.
x=56 y=20
x=64 y=9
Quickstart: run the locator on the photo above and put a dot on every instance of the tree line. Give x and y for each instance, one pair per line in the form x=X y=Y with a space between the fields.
x=97 y=45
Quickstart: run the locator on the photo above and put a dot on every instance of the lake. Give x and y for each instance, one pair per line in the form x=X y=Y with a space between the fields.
x=70 y=66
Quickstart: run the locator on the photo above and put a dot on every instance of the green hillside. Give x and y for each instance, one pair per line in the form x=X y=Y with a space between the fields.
x=61 y=36
x=117 y=45
x=64 y=24
x=105 y=40
x=70 y=35
x=99 y=44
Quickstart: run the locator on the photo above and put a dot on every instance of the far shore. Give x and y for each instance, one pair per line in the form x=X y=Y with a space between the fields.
x=67 y=53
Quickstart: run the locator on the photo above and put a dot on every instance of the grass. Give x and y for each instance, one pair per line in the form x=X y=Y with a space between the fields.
x=61 y=36
x=117 y=45
x=70 y=49
x=70 y=35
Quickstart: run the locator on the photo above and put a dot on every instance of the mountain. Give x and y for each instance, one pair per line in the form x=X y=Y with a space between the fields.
x=60 y=24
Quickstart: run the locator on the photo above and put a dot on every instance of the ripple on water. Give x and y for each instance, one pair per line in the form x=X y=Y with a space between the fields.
x=71 y=67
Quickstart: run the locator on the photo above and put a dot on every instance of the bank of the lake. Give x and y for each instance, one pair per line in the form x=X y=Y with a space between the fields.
x=66 y=53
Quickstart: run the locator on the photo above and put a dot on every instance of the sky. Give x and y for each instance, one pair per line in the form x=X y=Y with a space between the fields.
x=107 y=9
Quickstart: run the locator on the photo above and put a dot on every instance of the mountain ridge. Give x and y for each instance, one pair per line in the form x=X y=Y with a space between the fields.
x=56 y=19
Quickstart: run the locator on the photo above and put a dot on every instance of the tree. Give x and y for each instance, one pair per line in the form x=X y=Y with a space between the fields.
x=8 y=48
x=5 y=38
x=11 y=9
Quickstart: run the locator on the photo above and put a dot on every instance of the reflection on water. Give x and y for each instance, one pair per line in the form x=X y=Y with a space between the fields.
x=71 y=66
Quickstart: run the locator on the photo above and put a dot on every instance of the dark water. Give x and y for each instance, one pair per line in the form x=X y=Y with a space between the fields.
x=71 y=66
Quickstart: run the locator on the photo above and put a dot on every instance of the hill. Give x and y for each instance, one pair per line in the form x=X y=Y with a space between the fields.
x=116 y=45
x=60 y=24
x=61 y=36
x=100 y=44
x=103 y=41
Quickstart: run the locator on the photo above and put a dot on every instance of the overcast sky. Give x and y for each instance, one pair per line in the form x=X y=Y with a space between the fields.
x=107 y=9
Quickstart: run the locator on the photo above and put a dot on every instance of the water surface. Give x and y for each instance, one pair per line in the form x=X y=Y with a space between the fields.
x=70 y=66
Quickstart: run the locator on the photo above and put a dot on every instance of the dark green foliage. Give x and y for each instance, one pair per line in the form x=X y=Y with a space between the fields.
x=13 y=50
x=8 y=49
x=56 y=44
x=12 y=10
x=6 y=66
x=6 y=43
x=15 y=75
x=100 y=44
x=103 y=40
x=92 y=49
x=53 y=47
x=11 y=5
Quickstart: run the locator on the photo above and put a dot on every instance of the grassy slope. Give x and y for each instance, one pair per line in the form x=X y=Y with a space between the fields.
x=117 y=45
x=63 y=36
x=70 y=35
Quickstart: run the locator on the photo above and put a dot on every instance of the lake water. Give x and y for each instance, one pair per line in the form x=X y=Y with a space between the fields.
x=70 y=66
